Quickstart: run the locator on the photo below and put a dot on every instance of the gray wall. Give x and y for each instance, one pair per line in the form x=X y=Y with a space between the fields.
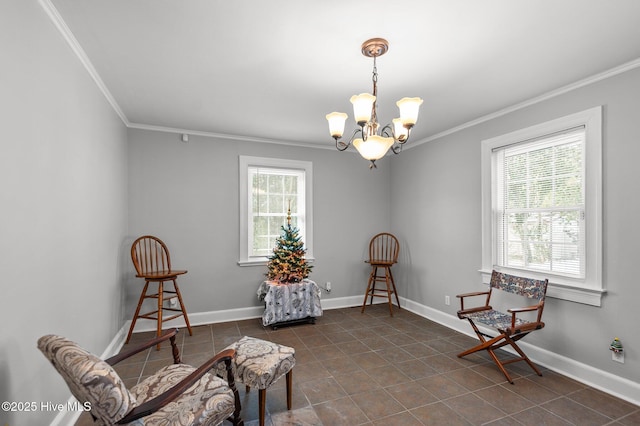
x=187 y=194
x=63 y=213
x=436 y=210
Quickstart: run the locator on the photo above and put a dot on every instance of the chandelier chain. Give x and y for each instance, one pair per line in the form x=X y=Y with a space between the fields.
x=374 y=78
x=375 y=71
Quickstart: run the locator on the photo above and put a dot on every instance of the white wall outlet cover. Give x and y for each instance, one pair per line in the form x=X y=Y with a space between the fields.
x=617 y=357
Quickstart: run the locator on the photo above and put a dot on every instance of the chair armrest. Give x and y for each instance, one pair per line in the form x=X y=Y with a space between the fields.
x=534 y=325
x=525 y=309
x=169 y=334
x=530 y=326
x=160 y=401
x=475 y=293
x=472 y=310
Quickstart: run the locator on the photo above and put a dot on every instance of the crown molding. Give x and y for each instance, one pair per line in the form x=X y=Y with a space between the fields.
x=75 y=46
x=628 y=66
x=227 y=136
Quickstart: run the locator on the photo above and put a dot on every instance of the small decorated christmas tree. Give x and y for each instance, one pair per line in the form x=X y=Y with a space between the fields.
x=287 y=263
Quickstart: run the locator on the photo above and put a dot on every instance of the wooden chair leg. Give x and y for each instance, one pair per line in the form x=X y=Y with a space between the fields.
x=489 y=346
x=523 y=356
x=159 y=313
x=395 y=291
x=374 y=281
x=289 y=378
x=387 y=282
x=500 y=366
x=366 y=293
x=135 y=316
x=483 y=346
x=235 y=419
x=184 y=310
x=262 y=399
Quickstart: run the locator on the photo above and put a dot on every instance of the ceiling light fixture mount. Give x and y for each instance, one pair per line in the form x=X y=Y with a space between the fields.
x=373 y=141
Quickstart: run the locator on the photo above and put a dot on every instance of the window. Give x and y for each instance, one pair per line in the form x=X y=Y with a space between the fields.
x=539 y=204
x=542 y=208
x=269 y=187
x=274 y=194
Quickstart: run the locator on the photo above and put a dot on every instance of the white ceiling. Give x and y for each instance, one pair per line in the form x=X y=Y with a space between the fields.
x=271 y=70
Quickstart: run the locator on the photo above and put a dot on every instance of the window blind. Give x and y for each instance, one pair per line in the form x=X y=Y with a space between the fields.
x=540 y=207
x=273 y=192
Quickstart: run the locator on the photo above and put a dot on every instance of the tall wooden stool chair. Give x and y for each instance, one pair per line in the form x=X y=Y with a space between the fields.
x=152 y=262
x=383 y=253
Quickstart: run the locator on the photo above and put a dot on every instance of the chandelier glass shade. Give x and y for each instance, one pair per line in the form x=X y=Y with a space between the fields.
x=374 y=148
x=370 y=139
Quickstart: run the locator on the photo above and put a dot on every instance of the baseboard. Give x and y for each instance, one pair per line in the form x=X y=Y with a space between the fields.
x=212 y=317
x=200 y=318
x=610 y=383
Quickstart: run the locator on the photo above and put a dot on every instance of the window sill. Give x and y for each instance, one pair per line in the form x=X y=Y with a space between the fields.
x=257 y=262
x=559 y=289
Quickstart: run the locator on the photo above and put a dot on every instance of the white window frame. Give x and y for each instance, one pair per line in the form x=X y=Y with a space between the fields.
x=590 y=289
x=245 y=162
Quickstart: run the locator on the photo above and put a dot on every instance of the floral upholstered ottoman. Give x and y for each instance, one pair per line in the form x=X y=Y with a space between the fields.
x=260 y=363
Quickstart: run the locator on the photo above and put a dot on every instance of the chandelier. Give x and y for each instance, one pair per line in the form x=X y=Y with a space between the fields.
x=373 y=141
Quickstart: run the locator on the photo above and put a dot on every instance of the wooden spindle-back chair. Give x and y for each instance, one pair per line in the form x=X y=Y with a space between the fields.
x=152 y=262
x=383 y=253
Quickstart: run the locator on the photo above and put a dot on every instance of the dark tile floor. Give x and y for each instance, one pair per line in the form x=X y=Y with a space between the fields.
x=373 y=369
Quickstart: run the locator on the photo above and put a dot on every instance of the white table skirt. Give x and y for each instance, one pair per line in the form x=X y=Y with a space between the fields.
x=288 y=302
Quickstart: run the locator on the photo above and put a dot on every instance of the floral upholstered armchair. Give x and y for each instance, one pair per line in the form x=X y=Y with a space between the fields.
x=177 y=394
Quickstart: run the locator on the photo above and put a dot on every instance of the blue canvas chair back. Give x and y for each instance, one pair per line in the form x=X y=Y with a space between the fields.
x=529 y=287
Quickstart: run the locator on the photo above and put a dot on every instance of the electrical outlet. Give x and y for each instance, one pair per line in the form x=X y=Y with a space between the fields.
x=328 y=286
x=173 y=302
x=617 y=357
x=447 y=300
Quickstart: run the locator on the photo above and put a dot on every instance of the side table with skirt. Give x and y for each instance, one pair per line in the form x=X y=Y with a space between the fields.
x=286 y=304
